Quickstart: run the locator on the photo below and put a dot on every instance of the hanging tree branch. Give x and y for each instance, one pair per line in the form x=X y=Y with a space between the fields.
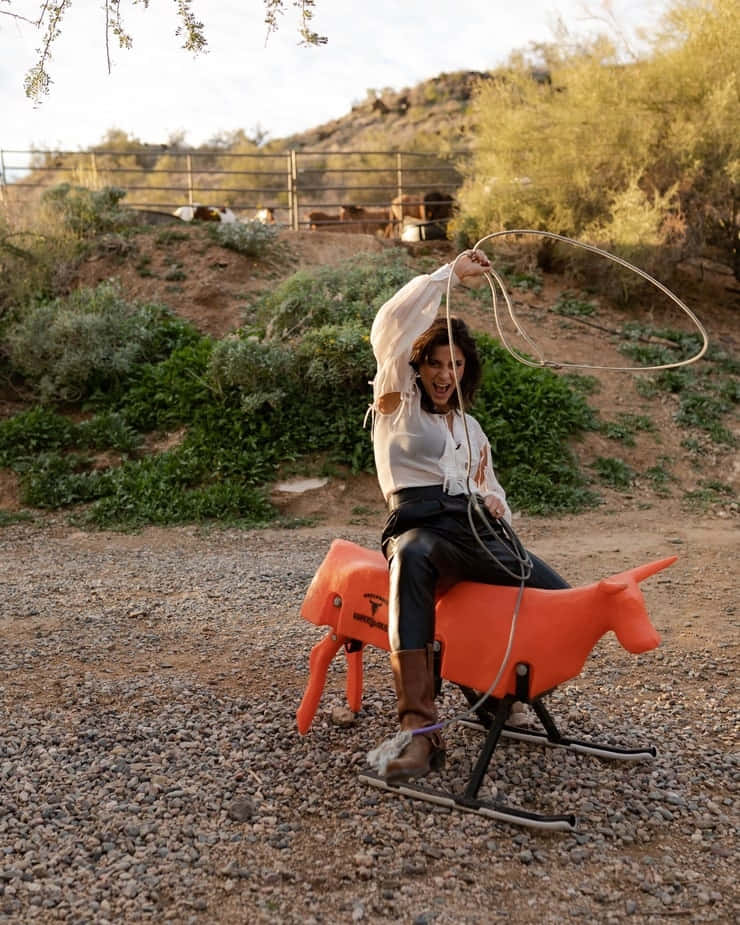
x=37 y=82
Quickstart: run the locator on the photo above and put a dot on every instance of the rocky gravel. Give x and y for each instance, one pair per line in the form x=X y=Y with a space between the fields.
x=150 y=768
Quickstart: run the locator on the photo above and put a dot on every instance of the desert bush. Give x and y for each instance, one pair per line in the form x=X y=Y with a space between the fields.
x=87 y=212
x=261 y=372
x=247 y=405
x=31 y=265
x=251 y=238
x=355 y=289
x=336 y=356
x=638 y=153
x=90 y=340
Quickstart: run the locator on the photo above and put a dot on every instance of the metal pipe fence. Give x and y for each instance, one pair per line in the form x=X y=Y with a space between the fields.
x=288 y=183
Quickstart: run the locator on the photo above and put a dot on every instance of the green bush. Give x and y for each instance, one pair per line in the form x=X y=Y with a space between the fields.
x=354 y=290
x=251 y=238
x=571 y=306
x=91 y=340
x=337 y=356
x=31 y=432
x=528 y=416
x=246 y=406
x=614 y=472
x=42 y=430
x=87 y=212
x=261 y=372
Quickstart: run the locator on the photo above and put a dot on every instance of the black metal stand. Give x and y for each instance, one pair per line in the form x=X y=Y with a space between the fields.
x=493 y=714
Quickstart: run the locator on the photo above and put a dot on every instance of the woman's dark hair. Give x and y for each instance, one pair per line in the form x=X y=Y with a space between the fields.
x=436 y=336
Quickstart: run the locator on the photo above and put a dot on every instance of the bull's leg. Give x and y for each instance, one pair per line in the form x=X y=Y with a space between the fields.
x=353 y=651
x=318 y=665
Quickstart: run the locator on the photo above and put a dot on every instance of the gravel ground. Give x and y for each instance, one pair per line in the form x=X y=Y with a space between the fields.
x=150 y=769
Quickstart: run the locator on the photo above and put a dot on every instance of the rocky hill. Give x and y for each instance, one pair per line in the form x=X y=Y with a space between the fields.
x=433 y=115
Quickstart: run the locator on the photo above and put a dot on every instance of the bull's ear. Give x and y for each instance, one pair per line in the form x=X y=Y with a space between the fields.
x=609 y=586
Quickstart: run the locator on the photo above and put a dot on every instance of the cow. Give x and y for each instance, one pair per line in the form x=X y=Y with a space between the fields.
x=437 y=207
x=323 y=221
x=199 y=213
x=555 y=631
x=359 y=220
x=429 y=214
x=402 y=206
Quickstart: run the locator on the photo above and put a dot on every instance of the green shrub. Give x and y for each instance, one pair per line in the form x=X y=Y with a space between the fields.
x=31 y=432
x=614 y=472
x=87 y=212
x=159 y=396
x=108 y=431
x=528 y=416
x=337 y=356
x=261 y=372
x=571 y=306
x=90 y=340
x=707 y=494
x=625 y=427
x=354 y=290
x=251 y=238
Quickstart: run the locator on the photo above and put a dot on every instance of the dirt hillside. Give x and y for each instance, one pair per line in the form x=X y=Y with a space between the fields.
x=212 y=287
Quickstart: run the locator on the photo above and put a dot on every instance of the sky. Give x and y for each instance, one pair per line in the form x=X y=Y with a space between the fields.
x=157 y=89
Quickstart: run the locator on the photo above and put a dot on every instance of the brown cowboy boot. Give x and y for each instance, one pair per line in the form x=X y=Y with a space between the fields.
x=413 y=675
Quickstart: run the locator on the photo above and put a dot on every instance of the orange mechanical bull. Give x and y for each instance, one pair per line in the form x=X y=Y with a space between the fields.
x=555 y=632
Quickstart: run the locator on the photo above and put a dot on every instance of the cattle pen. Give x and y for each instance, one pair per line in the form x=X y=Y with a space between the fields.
x=290 y=184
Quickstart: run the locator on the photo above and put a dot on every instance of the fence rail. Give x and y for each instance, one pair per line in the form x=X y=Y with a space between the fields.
x=306 y=179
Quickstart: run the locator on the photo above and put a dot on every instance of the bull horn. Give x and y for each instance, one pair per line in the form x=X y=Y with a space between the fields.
x=641 y=572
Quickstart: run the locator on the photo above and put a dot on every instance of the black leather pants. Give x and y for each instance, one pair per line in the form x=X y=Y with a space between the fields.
x=429 y=546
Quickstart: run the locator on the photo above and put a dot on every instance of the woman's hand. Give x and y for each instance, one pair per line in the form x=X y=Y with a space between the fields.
x=495 y=506
x=472 y=263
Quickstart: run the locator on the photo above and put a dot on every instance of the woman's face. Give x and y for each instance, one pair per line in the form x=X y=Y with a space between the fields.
x=438 y=376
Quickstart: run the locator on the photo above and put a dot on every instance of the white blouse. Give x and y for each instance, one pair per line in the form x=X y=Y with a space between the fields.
x=413 y=447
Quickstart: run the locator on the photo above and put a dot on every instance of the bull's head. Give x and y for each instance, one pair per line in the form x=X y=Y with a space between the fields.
x=629 y=619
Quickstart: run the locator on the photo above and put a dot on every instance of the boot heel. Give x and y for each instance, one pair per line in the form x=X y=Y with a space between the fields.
x=438 y=757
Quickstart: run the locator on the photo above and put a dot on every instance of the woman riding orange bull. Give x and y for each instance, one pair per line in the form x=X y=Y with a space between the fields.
x=429 y=457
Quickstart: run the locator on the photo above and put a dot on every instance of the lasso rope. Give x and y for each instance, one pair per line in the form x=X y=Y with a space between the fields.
x=492 y=275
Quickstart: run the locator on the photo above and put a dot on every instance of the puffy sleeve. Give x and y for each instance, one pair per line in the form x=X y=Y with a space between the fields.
x=405 y=316
x=484 y=476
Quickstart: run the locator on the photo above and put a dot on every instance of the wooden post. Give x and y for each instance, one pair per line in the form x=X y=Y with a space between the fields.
x=294 y=186
x=190 y=178
x=399 y=184
x=290 y=190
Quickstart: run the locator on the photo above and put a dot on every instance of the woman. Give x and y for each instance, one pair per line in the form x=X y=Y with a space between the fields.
x=430 y=456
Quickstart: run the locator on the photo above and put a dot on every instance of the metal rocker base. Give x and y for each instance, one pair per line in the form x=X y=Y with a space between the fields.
x=493 y=714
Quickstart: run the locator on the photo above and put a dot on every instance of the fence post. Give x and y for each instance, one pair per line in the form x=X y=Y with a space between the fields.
x=294 y=187
x=190 y=179
x=3 y=178
x=399 y=187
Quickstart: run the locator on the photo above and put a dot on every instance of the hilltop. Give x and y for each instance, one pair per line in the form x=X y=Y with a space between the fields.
x=432 y=115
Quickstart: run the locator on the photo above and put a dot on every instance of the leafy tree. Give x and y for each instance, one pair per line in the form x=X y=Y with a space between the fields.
x=51 y=13
x=636 y=152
